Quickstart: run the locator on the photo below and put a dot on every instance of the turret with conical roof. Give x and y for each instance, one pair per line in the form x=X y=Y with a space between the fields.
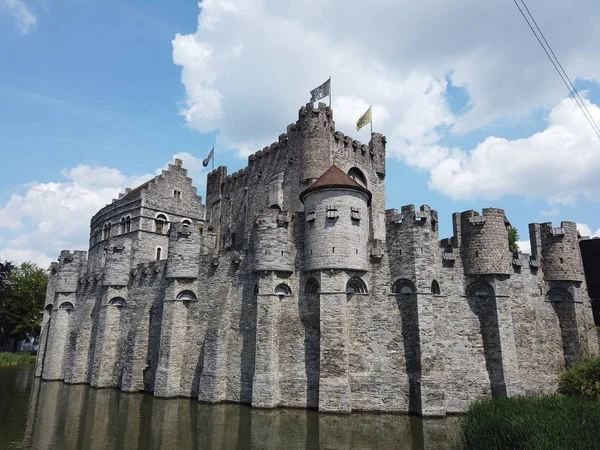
x=337 y=223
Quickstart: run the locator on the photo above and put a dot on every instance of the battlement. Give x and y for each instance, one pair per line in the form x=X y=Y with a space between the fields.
x=321 y=110
x=410 y=216
x=558 y=250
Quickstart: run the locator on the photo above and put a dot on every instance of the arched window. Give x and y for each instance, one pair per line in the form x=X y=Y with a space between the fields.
x=480 y=289
x=103 y=260
x=186 y=296
x=559 y=295
x=356 y=286
x=127 y=224
x=403 y=288
x=435 y=288
x=160 y=224
x=357 y=175
x=48 y=308
x=187 y=222
x=105 y=231
x=108 y=229
x=67 y=306
x=312 y=287
x=117 y=301
x=158 y=253
x=283 y=290
x=123 y=225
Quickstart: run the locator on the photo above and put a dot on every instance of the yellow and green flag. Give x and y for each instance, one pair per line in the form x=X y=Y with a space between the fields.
x=364 y=119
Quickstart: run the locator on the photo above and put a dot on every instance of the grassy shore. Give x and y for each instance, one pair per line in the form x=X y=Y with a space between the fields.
x=535 y=423
x=12 y=359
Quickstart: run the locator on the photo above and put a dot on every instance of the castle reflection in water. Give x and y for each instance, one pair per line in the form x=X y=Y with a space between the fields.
x=77 y=416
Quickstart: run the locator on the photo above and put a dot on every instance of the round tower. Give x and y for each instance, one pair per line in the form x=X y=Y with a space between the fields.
x=336 y=212
x=484 y=243
x=67 y=274
x=314 y=134
x=184 y=251
x=561 y=257
x=273 y=242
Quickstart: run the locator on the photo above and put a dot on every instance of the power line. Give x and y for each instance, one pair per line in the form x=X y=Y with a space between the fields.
x=563 y=75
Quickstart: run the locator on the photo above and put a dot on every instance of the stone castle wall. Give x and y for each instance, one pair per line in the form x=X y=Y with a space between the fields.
x=251 y=300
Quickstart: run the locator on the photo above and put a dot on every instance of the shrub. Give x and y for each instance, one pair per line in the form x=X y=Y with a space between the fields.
x=582 y=379
x=12 y=359
x=551 y=422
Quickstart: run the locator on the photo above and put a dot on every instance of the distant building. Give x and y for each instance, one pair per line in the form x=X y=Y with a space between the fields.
x=294 y=286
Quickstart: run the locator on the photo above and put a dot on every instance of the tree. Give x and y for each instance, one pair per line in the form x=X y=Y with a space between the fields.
x=513 y=237
x=22 y=302
x=5 y=269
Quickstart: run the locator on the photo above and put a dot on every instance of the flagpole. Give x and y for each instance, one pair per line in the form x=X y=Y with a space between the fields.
x=213 y=158
x=330 y=92
x=371 y=108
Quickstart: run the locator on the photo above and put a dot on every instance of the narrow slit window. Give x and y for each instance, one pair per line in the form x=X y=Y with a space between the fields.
x=310 y=217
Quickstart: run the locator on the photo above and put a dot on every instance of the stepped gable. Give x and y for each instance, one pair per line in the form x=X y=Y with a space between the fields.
x=334 y=177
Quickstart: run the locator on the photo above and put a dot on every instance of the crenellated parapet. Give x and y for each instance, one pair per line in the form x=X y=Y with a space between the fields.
x=484 y=242
x=557 y=249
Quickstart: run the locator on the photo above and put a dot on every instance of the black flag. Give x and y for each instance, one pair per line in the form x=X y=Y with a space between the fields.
x=209 y=157
x=322 y=91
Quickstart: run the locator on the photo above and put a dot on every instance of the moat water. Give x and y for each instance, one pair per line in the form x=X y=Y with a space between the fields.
x=52 y=415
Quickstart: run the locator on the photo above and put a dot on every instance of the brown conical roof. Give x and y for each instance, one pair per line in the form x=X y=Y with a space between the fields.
x=334 y=177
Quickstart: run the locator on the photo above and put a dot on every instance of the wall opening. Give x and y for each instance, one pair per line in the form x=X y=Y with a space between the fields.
x=357 y=175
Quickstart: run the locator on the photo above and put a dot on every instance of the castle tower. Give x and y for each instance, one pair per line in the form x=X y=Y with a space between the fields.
x=413 y=251
x=314 y=134
x=48 y=306
x=335 y=257
x=558 y=250
x=182 y=273
x=273 y=263
x=337 y=223
x=484 y=243
x=70 y=266
x=273 y=242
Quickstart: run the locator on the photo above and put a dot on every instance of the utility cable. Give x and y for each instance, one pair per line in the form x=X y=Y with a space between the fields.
x=560 y=65
x=568 y=84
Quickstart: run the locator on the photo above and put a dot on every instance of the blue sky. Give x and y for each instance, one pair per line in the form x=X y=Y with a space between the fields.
x=96 y=95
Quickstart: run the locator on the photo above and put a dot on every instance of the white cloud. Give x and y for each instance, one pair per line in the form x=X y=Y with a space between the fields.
x=22 y=13
x=560 y=163
x=251 y=63
x=552 y=211
x=54 y=216
x=585 y=230
x=524 y=246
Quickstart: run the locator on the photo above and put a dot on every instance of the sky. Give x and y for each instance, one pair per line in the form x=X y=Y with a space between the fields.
x=99 y=95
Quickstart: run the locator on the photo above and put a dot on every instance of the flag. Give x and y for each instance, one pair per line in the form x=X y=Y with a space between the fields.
x=364 y=119
x=210 y=156
x=322 y=91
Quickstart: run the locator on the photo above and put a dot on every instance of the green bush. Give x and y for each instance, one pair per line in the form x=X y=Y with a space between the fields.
x=12 y=359
x=550 y=422
x=582 y=379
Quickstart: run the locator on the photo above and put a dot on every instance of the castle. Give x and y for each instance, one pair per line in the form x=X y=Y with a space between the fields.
x=293 y=286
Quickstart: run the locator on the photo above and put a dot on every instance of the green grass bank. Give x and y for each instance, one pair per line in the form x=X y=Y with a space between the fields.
x=12 y=359
x=536 y=423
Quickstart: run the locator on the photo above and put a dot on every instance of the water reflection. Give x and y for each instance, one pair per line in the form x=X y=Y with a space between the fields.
x=76 y=416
